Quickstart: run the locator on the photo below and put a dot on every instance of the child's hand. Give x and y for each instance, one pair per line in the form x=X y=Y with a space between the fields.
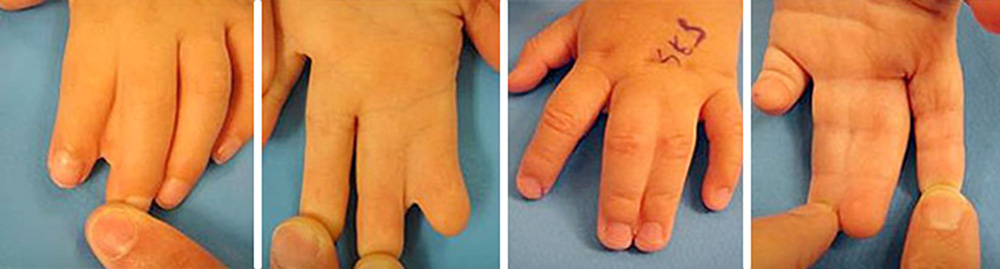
x=661 y=67
x=155 y=88
x=875 y=65
x=383 y=79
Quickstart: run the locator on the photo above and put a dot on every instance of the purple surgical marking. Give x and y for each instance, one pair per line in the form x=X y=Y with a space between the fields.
x=676 y=44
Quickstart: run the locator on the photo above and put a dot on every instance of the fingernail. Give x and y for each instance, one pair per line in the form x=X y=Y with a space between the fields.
x=66 y=171
x=226 y=150
x=530 y=188
x=720 y=198
x=943 y=210
x=173 y=192
x=293 y=247
x=114 y=235
x=378 y=261
x=617 y=236
x=650 y=237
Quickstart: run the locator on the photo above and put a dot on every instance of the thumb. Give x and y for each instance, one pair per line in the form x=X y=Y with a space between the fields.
x=988 y=13
x=794 y=239
x=944 y=232
x=124 y=237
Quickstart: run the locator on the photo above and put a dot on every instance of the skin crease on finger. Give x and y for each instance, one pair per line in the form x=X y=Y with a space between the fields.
x=674 y=66
x=383 y=81
x=154 y=119
x=886 y=62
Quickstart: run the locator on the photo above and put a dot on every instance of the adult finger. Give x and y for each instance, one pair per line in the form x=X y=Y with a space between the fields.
x=943 y=233
x=85 y=99
x=124 y=237
x=724 y=126
x=630 y=144
x=551 y=48
x=780 y=83
x=203 y=101
x=794 y=239
x=302 y=242
x=569 y=113
x=860 y=131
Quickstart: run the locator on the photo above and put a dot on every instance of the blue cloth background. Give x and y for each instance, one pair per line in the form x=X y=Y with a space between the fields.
x=559 y=230
x=478 y=246
x=42 y=225
x=781 y=154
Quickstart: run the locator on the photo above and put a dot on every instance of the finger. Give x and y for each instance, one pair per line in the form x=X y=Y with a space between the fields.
x=381 y=158
x=123 y=237
x=936 y=99
x=287 y=68
x=860 y=134
x=551 y=48
x=85 y=99
x=724 y=126
x=145 y=107
x=780 y=83
x=238 y=127
x=569 y=113
x=330 y=129
x=268 y=41
x=943 y=233
x=987 y=12
x=438 y=188
x=482 y=22
x=204 y=99
x=12 y=5
x=302 y=242
x=794 y=239
x=629 y=143
x=673 y=149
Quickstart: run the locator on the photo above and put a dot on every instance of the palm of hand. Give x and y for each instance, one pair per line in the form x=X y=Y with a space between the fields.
x=873 y=65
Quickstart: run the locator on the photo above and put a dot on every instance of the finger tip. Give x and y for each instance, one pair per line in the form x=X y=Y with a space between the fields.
x=301 y=243
x=173 y=193
x=651 y=237
x=717 y=199
x=111 y=231
x=378 y=261
x=226 y=150
x=66 y=170
x=943 y=209
x=766 y=96
x=530 y=188
x=615 y=236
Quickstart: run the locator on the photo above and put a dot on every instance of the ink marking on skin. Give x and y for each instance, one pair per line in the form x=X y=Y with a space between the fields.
x=678 y=47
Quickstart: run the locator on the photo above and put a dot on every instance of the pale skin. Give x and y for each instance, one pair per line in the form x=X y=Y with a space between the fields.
x=381 y=93
x=655 y=95
x=897 y=61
